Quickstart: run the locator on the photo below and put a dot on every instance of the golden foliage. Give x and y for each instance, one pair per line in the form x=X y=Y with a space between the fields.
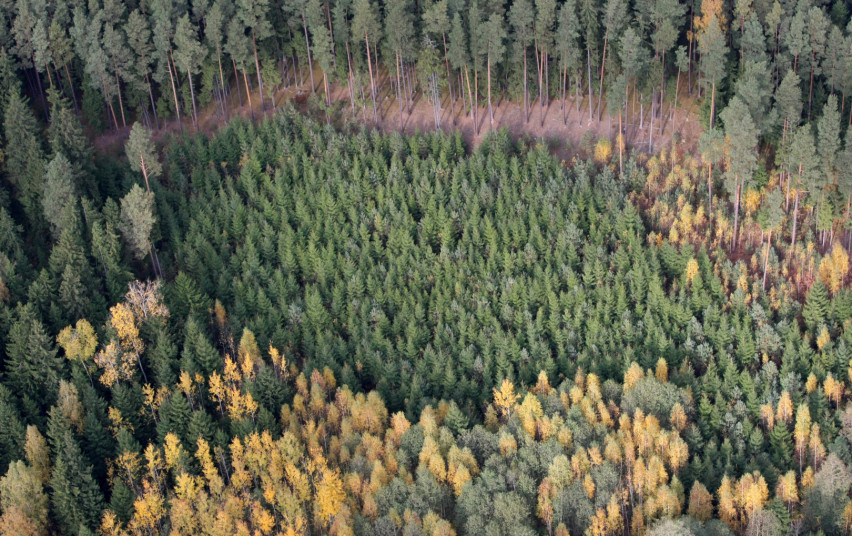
x=603 y=151
x=834 y=267
x=691 y=270
x=785 y=408
x=700 y=502
x=662 y=370
x=505 y=398
x=79 y=342
x=633 y=374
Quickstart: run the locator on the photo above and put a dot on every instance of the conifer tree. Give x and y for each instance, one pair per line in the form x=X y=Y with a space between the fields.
x=254 y=16
x=742 y=153
x=803 y=165
x=188 y=57
x=711 y=43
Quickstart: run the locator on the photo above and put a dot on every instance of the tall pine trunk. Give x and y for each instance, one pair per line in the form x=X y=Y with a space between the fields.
x=222 y=81
x=449 y=80
x=351 y=79
x=111 y=108
x=372 y=81
x=248 y=94
x=766 y=258
x=308 y=47
x=713 y=104
x=174 y=93
x=795 y=224
x=603 y=66
x=120 y=100
x=736 y=215
x=192 y=94
x=398 y=90
x=526 y=99
x=490 y=109
x=151 y=96
x=811 y=91
x=589 y=66
x=71 y=86
x=257 y=68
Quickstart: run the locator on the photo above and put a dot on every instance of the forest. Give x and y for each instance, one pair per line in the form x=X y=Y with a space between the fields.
x=236 y=300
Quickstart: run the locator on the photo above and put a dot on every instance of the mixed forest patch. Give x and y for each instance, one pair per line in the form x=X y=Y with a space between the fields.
x=603 y=291
x=372 y=334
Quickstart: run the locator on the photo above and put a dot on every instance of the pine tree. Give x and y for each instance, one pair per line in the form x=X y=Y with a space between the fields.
x=491 y=36
x=253 y=14
x=788 y=100
x=802 y=164
x=521 y=22
x=545 y=22
x=615 y=17
x=323 y=46
x=567 y=45
x=365 y=27
x=399 y=36
x=711 y=44
x=742 y=135
x=828 y=145
x=137 y=220
x=142 y=155
x=138 y=32
x=189 y=54
x=214 y=34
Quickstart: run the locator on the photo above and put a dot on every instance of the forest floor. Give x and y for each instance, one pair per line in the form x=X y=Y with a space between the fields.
x=563 y=138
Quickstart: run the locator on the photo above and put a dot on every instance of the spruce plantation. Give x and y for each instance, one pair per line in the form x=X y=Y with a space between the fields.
x=425 y=268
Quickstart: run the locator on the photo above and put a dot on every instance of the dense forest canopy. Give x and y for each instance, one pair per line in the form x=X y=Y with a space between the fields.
x=295 y=323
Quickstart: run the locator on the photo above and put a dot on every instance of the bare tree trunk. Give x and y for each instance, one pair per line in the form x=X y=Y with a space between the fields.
x=174 y=92
x=603 y=66
x=490 y=109
x=475 y=101
x=111 y=108
x=308 y=47
x=120 y=102
x=450 y=81
x=372 y=83
x=620 y=141
x=674 y=108
x=811 y=91
x=710 y=190
x=766 y=258
x=248 y=94
x=713 y=105
x=795 y=224
x=222 y=81
x=736 y=215
x=257 y=68
x=41 y=93
x=526 y=99
x=399 y=91
x=564 y=83
x=351 y=80
x=71 y=86
x=151 y=96
x=237 y=79
x=589 y=66
x=192 y=93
